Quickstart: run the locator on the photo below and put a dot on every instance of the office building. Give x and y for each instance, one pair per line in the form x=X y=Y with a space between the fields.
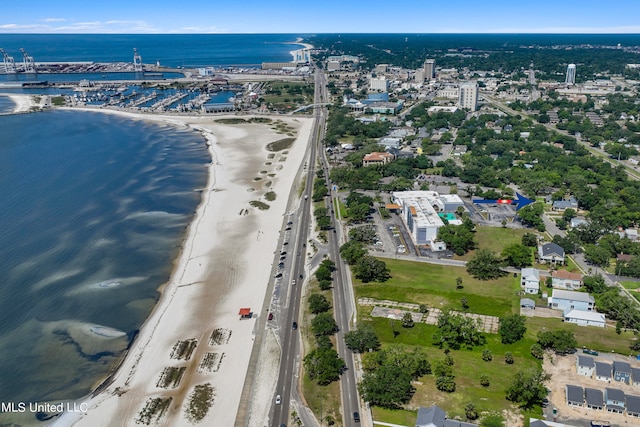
x=571 y=74
x=430 y=69
x=468 y=96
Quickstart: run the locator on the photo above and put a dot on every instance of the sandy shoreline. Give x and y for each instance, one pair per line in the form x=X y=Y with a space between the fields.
x=225 y=264
x=23 y=103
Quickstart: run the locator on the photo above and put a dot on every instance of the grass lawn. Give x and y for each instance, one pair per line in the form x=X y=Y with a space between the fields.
x=495 y=239
x=340 y=207
x=599 y=339
x=323 y=400
x=468 y=366
x=435 y=285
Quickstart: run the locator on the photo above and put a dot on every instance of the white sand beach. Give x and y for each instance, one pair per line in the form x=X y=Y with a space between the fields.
x=225 y=264
x=23 y=103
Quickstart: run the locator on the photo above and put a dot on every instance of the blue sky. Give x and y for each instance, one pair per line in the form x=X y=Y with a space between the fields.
x=320 y=16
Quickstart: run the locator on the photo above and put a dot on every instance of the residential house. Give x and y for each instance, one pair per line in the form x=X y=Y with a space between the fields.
x=456 y=423
x=562 y=279
x=575 y=395
x=594 y=399
x=586 y=318
x=635 y=376
x=561 y=205
x=585 y=365
x=527 y=303
x=534 y=422
x=615 y=400
x=633 y=405
x=377 y=158
x=577 y=221
x=551 y=253
x=432 y=416
x=622 y=372
x=603 y=371
x=571 y=300
x=530 y=280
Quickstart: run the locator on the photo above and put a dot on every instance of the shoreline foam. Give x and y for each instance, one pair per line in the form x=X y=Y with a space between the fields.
x=210 y=281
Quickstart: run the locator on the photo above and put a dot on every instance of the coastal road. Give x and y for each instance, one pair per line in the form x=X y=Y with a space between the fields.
x=290 y=352
x=343 y=310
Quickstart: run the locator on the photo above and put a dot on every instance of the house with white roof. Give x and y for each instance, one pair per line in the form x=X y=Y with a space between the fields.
x=586 y=318
x=530 y=280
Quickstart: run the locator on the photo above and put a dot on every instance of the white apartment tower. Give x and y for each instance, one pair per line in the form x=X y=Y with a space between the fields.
x=571 y=74
x=468 y=96
x=378 y=84
x=430 y=69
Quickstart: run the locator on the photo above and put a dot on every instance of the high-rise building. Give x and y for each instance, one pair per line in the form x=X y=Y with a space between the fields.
x=468 y=96
x=430 y=69
x=571 y=74
x=378 y=84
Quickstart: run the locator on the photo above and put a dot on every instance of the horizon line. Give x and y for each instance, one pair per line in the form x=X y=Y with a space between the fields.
x=324 y=33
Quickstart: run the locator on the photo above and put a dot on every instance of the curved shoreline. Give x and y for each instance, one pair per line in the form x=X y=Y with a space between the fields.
x=210 y=280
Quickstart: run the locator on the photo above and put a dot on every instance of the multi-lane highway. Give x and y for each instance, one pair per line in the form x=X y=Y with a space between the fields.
x=290 y=353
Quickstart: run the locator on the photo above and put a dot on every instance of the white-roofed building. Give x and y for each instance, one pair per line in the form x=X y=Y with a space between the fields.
x=419 y=211
x=586 y=318
x=530 y=280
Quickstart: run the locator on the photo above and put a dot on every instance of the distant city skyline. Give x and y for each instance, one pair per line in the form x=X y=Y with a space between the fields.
x=330 y=16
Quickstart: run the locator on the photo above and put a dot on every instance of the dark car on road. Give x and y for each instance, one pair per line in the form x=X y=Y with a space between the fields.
x=295 y=325
x=356 y=417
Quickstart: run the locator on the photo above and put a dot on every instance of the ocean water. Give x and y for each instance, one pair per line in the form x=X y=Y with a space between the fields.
x=6 y=105
x=95 y=208
x=172 y=50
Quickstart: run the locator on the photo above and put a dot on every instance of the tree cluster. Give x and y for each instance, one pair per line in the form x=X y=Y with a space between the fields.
x=528 y=388
x=388 y=375
x=455 y=331
x=512 y=328
x=485 y=265
x=560 y=341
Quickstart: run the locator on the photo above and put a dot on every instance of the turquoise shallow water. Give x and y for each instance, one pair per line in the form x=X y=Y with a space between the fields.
x=94 y=209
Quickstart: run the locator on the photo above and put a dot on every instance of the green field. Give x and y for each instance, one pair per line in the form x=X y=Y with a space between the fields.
x=495 y=239
x=435 y=285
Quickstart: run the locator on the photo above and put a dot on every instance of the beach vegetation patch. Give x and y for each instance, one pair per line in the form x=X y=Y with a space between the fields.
x=232 y=121
x=170 y=377
x=268 y=184
x=271 y=156
x=184 y=349
x=281 y=144
x=268 y=163
x=260 y=205
x=271 y=175
x=263 y=172
x=270 y=196
x=210 y=362
x=200 y=401
x=257 y=178
x=261 y=120
x=220 y=336
x=153 y=410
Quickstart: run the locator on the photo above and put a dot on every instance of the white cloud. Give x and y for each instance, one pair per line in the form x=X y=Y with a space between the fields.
x=53 y=20
x=106 y=27
x=200 y=30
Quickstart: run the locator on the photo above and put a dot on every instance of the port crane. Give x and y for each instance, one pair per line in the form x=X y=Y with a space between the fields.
x=9 y=63
x=137 y=61
x=29 y=64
